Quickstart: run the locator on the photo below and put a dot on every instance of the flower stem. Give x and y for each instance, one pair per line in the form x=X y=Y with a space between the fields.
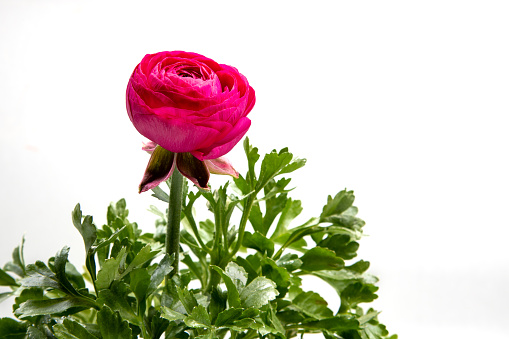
x=242 y=227
x=174 y=212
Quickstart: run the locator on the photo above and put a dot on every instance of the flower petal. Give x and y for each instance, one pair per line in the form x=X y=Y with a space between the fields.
x=159 y=168
x=226 y=144
x=149 y=147
x=221 y=165
x=193 y=169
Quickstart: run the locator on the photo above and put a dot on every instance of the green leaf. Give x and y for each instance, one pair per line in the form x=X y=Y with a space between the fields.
x=272 y=164
x=198 y=318
x=339 y=204
x=293 y=166
x=112 y=326
x=227 y=317
x=86 y=228
x=290 y=261
x=5 y=295
x=70 y=329
x=163 y=268
x=291 y=211
x=155 y=324
x=342 y=322
x=17 y=265
x=6 y=279
x=233 y=292
x=258 y=293
x=237 y=274
x=342 y=245
x=319 y=258
x=35 y=333
x=60 y=306
x=117 y=299
x=171 y=315
x=311 y=304
x=31 y=293
x=277 y=274
x=258 y=242
x=60 y=268
x=187 y=299
x=117 y=211
x=39 y=275
x=160 y=194
x=352 y=287
x=140 y=280
x=12 y=329
x=110 y=270
x=144 y=255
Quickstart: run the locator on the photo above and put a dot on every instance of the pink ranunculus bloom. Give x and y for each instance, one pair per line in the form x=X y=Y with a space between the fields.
x=193 y=108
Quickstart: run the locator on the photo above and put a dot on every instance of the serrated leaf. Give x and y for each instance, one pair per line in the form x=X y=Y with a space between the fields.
x=60 y=306
x=228 y=316
x=110 y=270
x=60 y=268
x=311 y=304
x=290 y=261
x=12 y=329
x=39 y=275
x=171 y=315
x=117 y=299
x=293 y=166
x=117 y=210
x=237 y=274
x=163 y=268
x=339 y=323
x=342 y=245
x=339 y=204
x=74 y=276
x=277 y=274
x=160 y=194
x=17 y=265
x=258 y=293
x=233 y=292
x=86 y=227
x=258 y=242
x=112 y=326
x=140 y=280
x=319 y=258
x=70 y=329
x=272 y=164
x=156 y=324
x=144 y=255
x=290 y=212
x=187 y=299
x=35 y=333
x=198 y=318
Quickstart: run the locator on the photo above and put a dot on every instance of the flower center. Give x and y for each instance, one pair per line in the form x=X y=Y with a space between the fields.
x=189 y=71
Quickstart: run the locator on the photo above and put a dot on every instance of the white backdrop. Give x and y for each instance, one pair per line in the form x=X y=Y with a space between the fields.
x=404 y=102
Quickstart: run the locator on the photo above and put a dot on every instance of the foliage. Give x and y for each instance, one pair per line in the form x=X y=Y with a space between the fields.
x=239 y=280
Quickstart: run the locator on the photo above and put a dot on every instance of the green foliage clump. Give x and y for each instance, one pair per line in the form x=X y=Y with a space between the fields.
x=238 y=280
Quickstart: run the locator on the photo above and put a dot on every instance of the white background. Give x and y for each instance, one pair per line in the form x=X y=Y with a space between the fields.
x=404 y=102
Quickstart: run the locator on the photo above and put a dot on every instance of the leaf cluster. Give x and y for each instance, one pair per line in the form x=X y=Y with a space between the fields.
x=238 y=279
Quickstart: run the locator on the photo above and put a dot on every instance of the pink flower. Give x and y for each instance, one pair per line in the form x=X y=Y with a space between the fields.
x=193 y=108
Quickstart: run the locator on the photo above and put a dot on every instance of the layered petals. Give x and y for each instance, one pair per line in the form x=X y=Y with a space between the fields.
x=188 y=103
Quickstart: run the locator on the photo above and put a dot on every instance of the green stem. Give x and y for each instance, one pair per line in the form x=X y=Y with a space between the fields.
x=242 y=228
x=174 y=212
